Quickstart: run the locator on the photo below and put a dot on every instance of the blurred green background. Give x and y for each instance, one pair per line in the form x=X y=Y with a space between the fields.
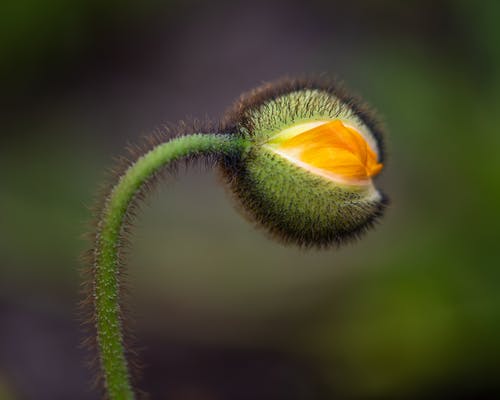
x=410 y=312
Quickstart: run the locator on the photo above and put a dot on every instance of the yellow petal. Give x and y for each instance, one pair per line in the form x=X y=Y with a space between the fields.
x=334 y=148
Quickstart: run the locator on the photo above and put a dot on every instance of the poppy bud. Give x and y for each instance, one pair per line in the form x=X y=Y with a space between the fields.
x=307 y=172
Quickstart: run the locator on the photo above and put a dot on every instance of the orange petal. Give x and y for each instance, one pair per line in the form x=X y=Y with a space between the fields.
x=335 y=148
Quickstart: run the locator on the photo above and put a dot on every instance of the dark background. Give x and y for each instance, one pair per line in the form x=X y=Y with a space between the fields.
x=411 y=311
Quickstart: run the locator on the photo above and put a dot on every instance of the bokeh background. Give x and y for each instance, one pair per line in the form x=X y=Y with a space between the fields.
x=410 y=312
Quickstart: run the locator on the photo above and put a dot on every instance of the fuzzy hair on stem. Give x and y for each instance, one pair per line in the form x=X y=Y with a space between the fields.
x=106 y=289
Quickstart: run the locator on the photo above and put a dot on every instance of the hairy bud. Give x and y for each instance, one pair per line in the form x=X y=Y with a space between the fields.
x=307 y=172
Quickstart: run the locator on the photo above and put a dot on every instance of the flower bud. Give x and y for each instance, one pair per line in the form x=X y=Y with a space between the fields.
x=306 y=174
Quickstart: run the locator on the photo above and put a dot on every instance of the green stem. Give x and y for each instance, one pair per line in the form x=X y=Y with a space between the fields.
x=108 y=245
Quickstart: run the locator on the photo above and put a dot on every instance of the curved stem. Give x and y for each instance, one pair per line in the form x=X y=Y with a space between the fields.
x=110 y=337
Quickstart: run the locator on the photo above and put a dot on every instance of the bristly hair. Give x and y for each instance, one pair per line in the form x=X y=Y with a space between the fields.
x=237 y=113
x=282 y=235
x=87 y=313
